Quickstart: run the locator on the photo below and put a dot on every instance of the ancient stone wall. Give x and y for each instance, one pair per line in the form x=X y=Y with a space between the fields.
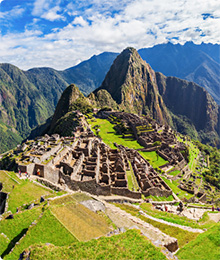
x=154 y=191
x=53 y=150
x=51 y=174
x=29 y=168
x=125 y=192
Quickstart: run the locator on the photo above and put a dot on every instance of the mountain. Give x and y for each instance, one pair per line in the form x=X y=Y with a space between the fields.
x=28 y=98
x=186 y=106
x=131 y=83
x=197 y=63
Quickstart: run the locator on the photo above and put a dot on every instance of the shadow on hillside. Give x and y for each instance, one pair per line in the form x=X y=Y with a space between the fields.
x=13 y=242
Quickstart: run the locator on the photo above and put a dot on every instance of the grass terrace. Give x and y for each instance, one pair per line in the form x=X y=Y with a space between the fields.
x=22 y=191
x=83 y=223
x=153 y=158
x=204 y=222
x=13 y=229
x=205 y=246
x=47 y=230
x=174 y=186
x=109 y=135
x=129 y=245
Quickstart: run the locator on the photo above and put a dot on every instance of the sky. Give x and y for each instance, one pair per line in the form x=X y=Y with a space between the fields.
x=61 y=33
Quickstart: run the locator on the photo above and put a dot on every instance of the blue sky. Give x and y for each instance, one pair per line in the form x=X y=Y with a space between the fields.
x=61 y=33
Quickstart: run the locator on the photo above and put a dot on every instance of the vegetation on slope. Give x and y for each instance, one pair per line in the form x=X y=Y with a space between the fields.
x=129 y=245
x=83 y=223
x=205 y=246
x=47 y=230
x=181 y=235
x=21 y=191
x=14 y=229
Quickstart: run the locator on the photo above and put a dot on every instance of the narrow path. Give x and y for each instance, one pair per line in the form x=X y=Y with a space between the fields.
x=190 y=229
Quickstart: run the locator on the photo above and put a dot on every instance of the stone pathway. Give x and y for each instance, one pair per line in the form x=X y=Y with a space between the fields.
x=123 y=219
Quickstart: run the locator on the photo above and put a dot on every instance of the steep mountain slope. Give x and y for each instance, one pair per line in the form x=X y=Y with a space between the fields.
x=184 y=105
x=197 y=63
x=131 y=83
x=65 y=119
x=27 y=99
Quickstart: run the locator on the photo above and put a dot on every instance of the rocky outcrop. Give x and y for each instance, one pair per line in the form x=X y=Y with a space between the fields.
x=131 y=83
x=183 y=105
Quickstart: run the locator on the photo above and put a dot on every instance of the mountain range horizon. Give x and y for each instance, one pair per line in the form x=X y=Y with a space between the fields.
x=201 y=66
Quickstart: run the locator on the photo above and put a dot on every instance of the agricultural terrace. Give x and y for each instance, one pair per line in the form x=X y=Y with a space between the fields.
x=129 y=245
x=22 y=191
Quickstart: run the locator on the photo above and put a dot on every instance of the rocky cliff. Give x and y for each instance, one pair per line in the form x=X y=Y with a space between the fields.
x=184 y=105
x=131 y=83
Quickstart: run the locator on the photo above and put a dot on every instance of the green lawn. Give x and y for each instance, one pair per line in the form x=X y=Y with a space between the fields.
x=109 y=136
x=14 y=228
x=181 y=193
x=205 y=247
x=174 y=173
x=47 y=230
x=129 y=245
x=21 y=193
x=153 y=158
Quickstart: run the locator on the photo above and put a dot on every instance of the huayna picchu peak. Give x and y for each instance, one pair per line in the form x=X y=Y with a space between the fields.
x=184 y=105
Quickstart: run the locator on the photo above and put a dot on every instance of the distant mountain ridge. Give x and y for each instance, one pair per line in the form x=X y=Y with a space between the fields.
x=28 y=98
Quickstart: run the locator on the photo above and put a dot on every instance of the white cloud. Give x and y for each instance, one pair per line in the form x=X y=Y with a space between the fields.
x=109 y=25
x=52 y=14
x=15 y=12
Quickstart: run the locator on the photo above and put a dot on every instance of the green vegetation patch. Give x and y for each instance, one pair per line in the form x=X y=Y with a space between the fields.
x=205 y=246
x=21 y=191
x=83 y=223
x=25 y=193
x=132 y=181
x=109 y=135
x=204 y=222
x=16 y=227
x=129 y=245
x=153 y=158
x=47 y=230
x=174 y=186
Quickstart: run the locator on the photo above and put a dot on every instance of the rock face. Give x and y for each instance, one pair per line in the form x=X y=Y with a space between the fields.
x=131 y=83
x=184 y=105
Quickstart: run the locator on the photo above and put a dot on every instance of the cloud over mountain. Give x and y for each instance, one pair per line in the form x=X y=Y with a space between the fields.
x=60 y=34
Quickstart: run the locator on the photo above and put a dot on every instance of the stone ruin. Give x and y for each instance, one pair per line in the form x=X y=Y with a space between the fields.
x=86 y=163
x=151 y=135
